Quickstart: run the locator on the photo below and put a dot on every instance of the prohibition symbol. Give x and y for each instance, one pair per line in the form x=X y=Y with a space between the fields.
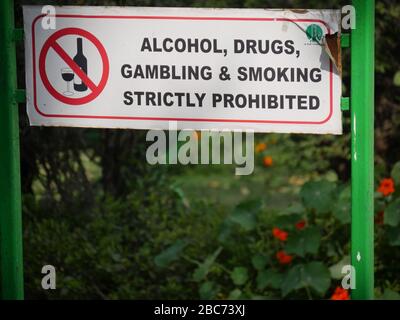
x=93 y=88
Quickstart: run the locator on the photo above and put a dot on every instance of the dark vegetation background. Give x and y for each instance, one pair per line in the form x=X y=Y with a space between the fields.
x=116 y=227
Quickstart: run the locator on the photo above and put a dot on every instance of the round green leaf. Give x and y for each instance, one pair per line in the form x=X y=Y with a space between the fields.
x=235 y=294
x=259 y=261
x=245 y=220
x=303 y=242
x=395 y=173
x=342 y=207
x=245 y=214
x=269 y=278
x=313 y=275
x=318 y=195
x=317 y=276
x=208 y=290
x=292 y=280
x=392 y=214
x=239 y=275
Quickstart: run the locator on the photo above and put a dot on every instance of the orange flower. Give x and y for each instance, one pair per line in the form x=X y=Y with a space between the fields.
x=260 y=147
x=279 y=234
x=283 y=258
x=267 y=161
x=386 y=187
x=340 y=294
x=300 y=225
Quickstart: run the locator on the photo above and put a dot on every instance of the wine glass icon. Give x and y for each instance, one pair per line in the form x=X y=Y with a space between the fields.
x=67 y=75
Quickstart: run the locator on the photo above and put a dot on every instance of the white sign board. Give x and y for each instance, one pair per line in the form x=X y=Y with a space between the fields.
x=140 y=68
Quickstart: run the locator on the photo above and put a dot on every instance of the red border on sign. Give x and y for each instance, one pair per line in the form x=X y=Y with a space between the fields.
x=51 y=42
x=180 y=119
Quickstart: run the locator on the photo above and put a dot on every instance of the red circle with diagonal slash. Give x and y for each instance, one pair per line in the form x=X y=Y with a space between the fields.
x=51 y=42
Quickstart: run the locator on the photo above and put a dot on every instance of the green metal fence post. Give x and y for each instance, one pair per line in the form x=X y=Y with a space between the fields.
x=11 y=270
x=362 y=145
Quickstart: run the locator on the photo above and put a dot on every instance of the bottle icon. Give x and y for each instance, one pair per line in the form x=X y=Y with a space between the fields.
x=81 y=61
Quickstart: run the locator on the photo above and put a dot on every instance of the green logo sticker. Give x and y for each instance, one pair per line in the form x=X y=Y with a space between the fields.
x=314 y=33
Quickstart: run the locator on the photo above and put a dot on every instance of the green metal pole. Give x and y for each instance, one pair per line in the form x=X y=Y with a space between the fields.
x=11 y=273
x=362 y=143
